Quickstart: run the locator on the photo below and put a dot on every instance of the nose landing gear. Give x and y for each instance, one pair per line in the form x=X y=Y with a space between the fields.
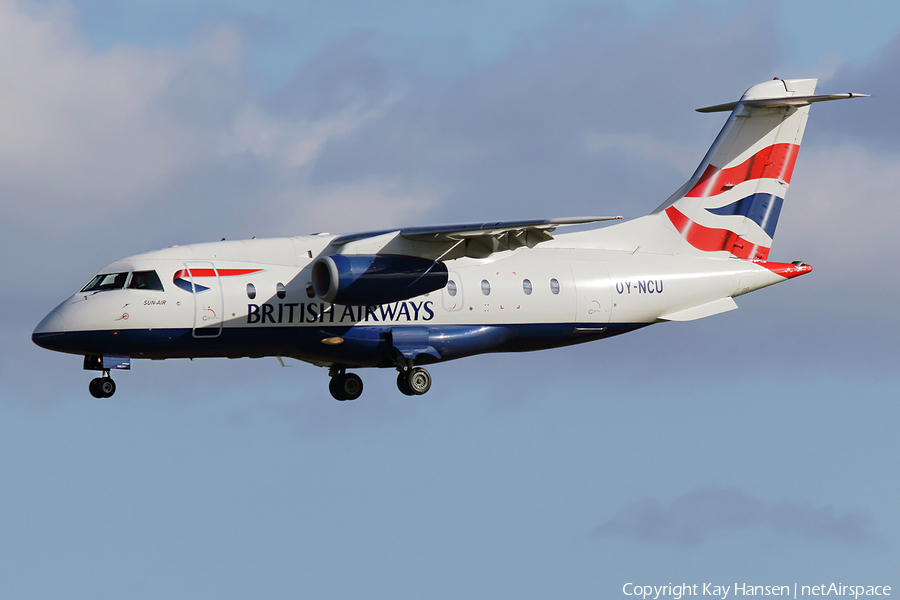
x=102 y=387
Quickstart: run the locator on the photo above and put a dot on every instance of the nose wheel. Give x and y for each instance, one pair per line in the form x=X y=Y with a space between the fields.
x=102 y=387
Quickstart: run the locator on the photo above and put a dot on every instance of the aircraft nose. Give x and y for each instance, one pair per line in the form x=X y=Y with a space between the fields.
x=51 y=326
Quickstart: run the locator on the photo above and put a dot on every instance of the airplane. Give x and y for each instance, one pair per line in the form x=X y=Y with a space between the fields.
x=407 y=297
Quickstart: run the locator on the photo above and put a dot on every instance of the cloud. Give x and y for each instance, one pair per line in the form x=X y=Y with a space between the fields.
x=844 y=192
x=643 y=146
x=818 y=523
x=294 y=143
x=349 y=207
x=564 y=124
x=88 y=136
x=87 y=131
x=702 y=514
x=871 y=124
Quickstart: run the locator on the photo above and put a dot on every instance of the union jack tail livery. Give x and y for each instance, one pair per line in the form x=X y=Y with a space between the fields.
x=731 y=204
x=733 y=200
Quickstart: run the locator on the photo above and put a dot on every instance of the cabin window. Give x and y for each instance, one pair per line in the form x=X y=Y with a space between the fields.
x=526 y=286
x=485 y=287
x=251 y=291
x=145 y=280
x=279 y=290
x=451 y=287
x=554 y=286
x=105 y=282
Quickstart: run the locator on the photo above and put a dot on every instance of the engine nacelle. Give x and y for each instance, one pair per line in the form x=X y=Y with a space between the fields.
x=358 y=280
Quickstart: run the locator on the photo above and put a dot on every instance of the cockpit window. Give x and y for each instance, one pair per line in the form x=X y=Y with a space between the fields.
x=106 y=281
x=140 y=280
x=145 y=280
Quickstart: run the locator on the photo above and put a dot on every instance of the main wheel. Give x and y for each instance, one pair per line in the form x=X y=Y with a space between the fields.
x=419 y=381
x=334 y=386
x=348 y=386
x=94 y=387
x=352 y=386
x=107 y=387
x=403 y=384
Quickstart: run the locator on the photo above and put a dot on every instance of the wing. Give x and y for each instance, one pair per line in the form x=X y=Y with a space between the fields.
x=446 y=242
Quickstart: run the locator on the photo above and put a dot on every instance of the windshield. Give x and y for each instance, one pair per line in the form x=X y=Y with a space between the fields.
x=106 y=281
x=139 y=280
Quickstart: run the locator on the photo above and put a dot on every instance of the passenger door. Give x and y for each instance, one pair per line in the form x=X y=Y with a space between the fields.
x=209 y=302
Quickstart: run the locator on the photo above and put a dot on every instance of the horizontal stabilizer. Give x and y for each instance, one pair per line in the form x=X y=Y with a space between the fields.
x=775 y=102
x=704 y=310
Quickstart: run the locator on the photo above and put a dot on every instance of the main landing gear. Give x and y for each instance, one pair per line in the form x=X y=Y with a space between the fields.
x=414 y=382
x=411 y=381
x=102 y=387
x=345 y=386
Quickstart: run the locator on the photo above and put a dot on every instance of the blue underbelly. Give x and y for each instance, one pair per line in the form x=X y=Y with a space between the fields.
x=360 y=346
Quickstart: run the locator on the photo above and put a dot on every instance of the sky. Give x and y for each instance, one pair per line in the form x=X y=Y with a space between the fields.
x=758 y=446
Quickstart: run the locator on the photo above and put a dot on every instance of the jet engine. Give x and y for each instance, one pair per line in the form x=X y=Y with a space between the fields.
x=358 y=280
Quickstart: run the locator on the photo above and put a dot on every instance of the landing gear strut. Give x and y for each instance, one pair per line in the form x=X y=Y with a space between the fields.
x=345 y=386
x=102 y=387
x=414 y=382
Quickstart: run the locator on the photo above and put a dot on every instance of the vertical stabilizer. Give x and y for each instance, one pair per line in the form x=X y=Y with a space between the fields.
x=733 y=201
x=731 y=204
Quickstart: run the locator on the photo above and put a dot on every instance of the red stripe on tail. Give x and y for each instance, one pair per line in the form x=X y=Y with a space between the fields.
x=708 y=239
x=773 y=162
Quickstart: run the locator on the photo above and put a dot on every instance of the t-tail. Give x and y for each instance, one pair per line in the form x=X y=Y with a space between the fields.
x=731 y=204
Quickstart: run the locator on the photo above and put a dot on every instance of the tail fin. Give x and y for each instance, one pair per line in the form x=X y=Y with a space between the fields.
x=732 y=202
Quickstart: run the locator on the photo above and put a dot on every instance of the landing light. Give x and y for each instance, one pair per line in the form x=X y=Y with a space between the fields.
x=333 y=341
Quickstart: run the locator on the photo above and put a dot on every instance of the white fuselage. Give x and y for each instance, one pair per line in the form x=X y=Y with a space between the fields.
x=257 y=300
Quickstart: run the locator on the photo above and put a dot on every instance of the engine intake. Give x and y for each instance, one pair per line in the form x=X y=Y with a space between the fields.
x=358 y=280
